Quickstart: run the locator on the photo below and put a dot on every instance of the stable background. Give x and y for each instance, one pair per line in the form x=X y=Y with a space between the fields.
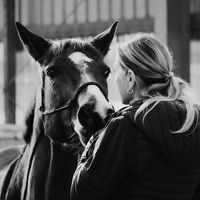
x=176 y=22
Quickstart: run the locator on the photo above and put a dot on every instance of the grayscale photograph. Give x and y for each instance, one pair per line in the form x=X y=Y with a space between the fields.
x=99 y=99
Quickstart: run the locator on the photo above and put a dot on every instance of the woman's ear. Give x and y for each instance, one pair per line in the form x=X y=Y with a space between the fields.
x=131 y=78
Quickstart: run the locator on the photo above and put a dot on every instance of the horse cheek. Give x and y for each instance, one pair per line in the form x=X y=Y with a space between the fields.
x=54 y=128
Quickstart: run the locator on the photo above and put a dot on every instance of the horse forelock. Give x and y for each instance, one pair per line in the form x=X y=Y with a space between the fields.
x=79 y=58
x=63 y=48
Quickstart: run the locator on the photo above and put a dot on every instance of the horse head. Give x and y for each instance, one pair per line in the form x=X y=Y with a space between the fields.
x=72 y=95
x=73 y=90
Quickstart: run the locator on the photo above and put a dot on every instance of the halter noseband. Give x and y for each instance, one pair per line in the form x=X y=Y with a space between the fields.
x=69 y=104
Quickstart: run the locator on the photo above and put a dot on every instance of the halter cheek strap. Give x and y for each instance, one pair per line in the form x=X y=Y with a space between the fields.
x=42 y=93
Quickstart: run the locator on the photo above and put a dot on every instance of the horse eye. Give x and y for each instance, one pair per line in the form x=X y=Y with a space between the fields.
x=51 y=73
x=106 y=73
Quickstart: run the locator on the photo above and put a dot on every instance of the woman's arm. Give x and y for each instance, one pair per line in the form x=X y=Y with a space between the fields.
x=98 y=176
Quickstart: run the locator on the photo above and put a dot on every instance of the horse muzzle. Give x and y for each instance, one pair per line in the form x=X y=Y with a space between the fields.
x=89 y=117
x=93 y=120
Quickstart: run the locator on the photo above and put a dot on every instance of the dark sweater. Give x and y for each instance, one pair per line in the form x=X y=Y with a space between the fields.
x=132 y=160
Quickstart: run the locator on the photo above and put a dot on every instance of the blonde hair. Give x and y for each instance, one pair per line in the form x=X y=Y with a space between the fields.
x=151 y=60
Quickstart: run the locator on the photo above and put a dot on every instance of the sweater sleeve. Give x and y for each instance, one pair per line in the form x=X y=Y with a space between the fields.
x=99 y=175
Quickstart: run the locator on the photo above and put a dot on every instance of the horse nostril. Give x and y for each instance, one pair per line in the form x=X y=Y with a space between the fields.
x=89 y=118
x=84 y=113
x=110 y=111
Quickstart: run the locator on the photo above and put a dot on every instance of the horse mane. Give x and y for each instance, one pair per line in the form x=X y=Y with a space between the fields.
x=28 y=121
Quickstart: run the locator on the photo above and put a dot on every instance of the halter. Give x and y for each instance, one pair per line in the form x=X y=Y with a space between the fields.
x=69 y=105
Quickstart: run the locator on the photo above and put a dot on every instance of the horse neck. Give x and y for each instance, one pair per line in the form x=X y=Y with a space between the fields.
x=61 y=163
x=35 y=162
x=54 y=160
x=20 y=184
x=61 y=169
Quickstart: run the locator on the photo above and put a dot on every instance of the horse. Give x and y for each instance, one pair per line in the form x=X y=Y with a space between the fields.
x=70 y=104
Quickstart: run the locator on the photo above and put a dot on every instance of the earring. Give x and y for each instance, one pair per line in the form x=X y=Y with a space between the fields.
x=130 y=91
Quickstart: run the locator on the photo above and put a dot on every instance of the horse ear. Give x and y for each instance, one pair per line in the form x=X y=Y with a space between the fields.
x=103 y=40
x=36 y=45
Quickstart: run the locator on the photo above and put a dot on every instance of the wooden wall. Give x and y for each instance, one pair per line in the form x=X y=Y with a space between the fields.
x=71 y=18
x=1 y=19
x=56 y=12
x=195 y=19
x=61 y=18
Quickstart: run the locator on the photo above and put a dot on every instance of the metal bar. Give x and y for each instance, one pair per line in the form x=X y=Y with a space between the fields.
x=134 y=8
x=86 y=11
x=109 y=10
x=52 y=12
x=122 y=9
x=64 y=11
x=19 y=10
x=178 y=37
x=195 y=26
x=146 y=8
x=41 y=12
x=30 y=12
x=9 y=60
x=98 y=10
x=75 y=11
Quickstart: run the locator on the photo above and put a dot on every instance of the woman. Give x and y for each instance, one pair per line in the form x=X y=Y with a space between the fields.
x=150 y=149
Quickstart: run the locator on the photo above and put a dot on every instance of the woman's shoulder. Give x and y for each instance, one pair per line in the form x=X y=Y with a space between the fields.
x=121 y=114
x=172 y=107
x=120 y=121
x=164 y=114
x=165 y=107
x=126 y=113
x=170 y=112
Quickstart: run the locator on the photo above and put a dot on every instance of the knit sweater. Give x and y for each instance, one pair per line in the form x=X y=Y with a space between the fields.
x=141 y=160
